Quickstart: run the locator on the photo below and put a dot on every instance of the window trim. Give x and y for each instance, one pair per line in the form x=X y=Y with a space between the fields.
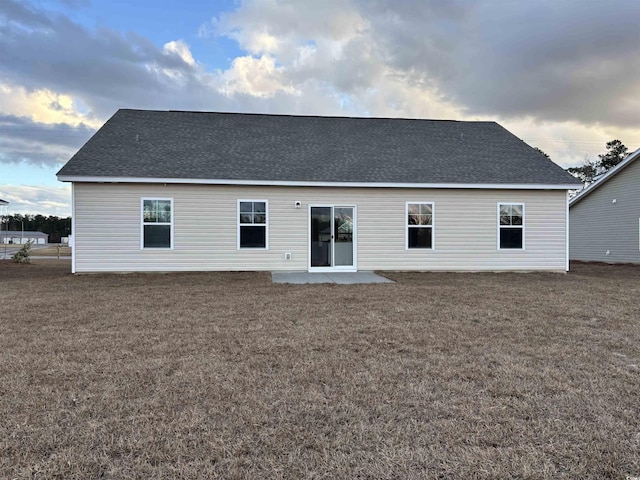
x=142 y=224
x=407 y=226
x=523 y=227
x=266 y=224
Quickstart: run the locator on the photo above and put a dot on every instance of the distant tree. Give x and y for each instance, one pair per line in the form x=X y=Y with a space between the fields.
x=586 y=173
x=539 y=150
x=591 y=170
x=616 y=152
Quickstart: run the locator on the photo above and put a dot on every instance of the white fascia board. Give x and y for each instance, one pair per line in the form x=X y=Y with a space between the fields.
x=283 y=183
x=586 y=191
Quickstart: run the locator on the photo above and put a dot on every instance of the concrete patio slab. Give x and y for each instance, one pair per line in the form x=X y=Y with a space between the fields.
x=342 y=278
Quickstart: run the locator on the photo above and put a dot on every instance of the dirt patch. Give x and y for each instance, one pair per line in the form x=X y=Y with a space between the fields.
x=226 y=375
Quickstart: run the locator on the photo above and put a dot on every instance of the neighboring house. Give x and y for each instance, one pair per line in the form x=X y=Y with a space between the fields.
x=169 y=191
x=605 y=216
x=19 y=237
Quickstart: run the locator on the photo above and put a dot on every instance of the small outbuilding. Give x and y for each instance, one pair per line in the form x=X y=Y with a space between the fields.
x=21 y=237
x=170 y=191
x=605 y=216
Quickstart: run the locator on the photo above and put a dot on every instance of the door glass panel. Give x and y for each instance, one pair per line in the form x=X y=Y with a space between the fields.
x=320 y=236
x=343 y=228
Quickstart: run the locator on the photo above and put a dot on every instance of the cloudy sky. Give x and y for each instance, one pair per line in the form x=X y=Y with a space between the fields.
x=563 y=75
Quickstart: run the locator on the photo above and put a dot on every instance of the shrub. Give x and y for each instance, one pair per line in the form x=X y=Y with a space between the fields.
x=23 y=255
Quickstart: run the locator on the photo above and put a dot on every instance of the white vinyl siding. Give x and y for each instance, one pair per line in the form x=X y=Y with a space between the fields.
x=107 y=234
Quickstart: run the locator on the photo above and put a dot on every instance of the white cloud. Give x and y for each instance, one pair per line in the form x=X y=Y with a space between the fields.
x=181 y=49
x=276 y=27
x=37 y=199
x=261 y=42
x=45 y=106
x=258 y=77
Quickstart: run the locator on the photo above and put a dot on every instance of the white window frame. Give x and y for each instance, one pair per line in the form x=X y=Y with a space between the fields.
x=266 y=224
x=407 y=226
x=523 y=226
x=142 y=223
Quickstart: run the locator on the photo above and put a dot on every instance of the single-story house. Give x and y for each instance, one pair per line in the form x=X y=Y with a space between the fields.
x=20 y=237
x=605 y=216
x=174 y=190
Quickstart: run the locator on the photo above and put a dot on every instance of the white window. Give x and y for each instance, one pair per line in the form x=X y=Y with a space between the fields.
x=157 y=223
x=419 y=224
x=511 y=226
x=253 y=224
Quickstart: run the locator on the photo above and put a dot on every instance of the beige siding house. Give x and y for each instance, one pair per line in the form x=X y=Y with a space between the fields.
x=177 y=191
x=605 y=217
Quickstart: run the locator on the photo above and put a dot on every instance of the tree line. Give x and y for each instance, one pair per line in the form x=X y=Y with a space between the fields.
x=56 y=227
x=591 y=170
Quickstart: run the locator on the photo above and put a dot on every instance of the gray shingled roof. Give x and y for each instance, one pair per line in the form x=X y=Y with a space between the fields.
x=232 y=146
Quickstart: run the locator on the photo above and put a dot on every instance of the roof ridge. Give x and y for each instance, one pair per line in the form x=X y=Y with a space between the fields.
x=293 y=115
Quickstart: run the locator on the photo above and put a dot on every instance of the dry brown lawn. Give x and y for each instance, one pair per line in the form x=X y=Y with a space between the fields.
x=225 y=375
x=51 y=250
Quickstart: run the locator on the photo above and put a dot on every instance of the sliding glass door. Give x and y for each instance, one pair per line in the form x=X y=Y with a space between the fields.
x=332 y=238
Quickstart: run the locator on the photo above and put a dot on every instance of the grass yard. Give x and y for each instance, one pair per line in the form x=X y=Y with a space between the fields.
x=51 y=250
x=225 y=375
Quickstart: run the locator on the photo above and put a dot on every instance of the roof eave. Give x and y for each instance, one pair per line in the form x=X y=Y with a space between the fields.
x=286 y=183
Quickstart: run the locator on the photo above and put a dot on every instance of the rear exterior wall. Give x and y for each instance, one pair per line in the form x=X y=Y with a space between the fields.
x=107 y=222
x=605 y=224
